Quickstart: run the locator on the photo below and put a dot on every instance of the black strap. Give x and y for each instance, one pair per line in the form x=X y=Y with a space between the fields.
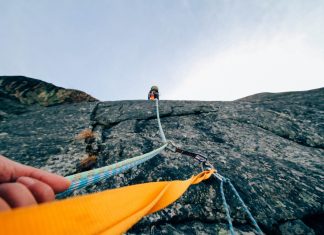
x=196 y=156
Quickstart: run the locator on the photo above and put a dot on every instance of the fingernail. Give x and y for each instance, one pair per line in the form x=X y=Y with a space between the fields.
x=27 y=181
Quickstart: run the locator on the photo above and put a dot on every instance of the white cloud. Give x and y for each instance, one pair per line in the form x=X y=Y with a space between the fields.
x=282 y=63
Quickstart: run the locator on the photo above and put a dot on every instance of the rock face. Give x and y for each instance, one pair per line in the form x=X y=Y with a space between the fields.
x=269 y=145
x=29 y=91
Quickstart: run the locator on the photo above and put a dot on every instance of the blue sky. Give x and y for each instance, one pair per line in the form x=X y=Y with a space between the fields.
x=193 y=50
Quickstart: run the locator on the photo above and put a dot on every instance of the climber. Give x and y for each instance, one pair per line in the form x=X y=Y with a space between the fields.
x=154 y=93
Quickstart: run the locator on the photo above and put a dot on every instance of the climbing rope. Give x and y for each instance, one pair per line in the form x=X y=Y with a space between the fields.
x=159 y=122
x=226 y=207
x=228 y=216
x=247 y=211
x=84 y=179
x=204 y=161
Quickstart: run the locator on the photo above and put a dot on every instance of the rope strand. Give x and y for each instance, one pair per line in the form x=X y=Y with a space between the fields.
x=159 y=122
x=247 y=211
x=228 y=216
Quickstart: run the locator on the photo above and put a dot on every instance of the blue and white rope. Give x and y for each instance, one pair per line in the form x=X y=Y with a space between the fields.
x=228 y=216
x=247 y=211
x=87 y=178
x=84 y=179
x=159 y=122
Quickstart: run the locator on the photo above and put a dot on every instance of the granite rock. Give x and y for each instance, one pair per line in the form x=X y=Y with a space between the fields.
x=269 y=145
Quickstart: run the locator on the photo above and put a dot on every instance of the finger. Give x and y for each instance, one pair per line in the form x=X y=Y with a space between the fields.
x=6 y=169
x=11 y=171
x=16 y=195
x=41 y=191
x=57 y=182
x=4 y=205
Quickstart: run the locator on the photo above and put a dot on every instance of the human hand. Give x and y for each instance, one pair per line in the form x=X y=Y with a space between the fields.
x=22 y=185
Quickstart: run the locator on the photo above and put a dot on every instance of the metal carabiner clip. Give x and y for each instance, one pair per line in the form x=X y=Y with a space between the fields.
x=171 y=146
x=209 y=166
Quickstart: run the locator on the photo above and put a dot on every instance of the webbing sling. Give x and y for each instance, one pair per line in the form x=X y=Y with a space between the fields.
x=108 y=212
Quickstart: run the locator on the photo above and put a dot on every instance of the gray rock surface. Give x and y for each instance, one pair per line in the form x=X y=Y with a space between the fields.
x=269 y=145
x=295 y=227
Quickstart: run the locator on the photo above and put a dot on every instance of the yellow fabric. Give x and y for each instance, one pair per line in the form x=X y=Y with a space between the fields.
x=108 y=212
